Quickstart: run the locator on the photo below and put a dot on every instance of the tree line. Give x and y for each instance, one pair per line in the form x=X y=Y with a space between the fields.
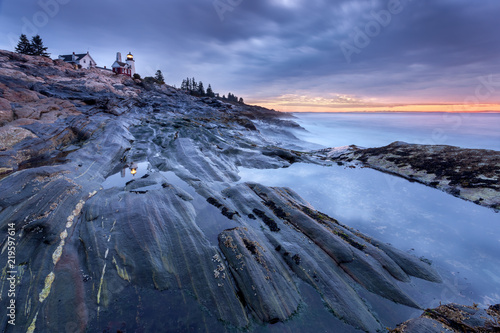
x=198 y=89
x=35 y=47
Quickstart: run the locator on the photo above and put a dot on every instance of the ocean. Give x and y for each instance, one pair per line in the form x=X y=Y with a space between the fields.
x=467 y=130
x=460 y=238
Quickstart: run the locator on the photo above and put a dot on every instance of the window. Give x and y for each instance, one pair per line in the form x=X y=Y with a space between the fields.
x=84 y=61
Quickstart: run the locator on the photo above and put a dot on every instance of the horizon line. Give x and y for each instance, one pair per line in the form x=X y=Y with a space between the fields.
x=388 y=111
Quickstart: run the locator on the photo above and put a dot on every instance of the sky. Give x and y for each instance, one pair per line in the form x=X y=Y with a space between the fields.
x=290 y=55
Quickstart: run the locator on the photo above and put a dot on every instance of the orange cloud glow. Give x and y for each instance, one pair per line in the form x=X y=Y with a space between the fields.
x=344 y=103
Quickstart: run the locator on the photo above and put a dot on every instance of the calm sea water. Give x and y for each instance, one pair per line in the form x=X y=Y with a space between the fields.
x=480 y=130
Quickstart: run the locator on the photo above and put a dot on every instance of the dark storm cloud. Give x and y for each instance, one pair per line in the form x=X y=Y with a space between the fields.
x=424 y=49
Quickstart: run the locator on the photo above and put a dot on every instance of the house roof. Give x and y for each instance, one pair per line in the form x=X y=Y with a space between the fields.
x=120 y=64
x=69 y=57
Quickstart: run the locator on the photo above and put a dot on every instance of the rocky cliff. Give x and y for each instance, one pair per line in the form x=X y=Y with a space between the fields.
x=182 y=245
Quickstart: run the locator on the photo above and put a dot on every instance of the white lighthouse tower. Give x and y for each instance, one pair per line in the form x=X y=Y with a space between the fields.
x=130 y=61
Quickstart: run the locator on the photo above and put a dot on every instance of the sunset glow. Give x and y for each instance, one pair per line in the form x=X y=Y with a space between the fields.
x=346 y=103
x=281 y=106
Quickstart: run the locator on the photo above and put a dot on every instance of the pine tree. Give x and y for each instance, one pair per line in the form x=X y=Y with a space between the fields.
x=188 y=84
x=210 y=92
x=37 y=47
x=241 y=100
x=201 y=89
x=159 y=77
x=23 y=46
x=184 y=85
x=194 y=85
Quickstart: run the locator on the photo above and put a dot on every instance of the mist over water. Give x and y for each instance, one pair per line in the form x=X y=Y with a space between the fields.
x=467 y=130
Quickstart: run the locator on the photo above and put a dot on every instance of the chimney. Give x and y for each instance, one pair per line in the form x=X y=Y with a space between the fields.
x=73 y=57
x=118 y=57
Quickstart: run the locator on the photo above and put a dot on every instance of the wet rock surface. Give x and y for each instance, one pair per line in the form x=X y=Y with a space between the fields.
x=454 y=318
x=182 y=245
x=470 y=174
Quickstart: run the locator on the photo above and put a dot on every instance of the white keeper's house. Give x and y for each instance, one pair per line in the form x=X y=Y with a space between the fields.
x=82 y=60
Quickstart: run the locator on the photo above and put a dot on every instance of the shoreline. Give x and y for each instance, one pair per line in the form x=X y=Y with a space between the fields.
x=470 y=174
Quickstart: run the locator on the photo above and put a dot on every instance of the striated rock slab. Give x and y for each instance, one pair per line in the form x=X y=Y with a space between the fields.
x=316 y=268
x=44 y=204
x=470 y=174
x=263 y=279
x=126 y=245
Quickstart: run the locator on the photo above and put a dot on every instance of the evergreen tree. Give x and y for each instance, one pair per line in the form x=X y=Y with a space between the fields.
x=188 y=84
x=201 y=89
x=37 y=47
x=241 y=100
x=184 y=85
x=210 y=92
x=231 y=97
x=194 y=85
x=159 y=77
x=223 y=96
x=23 y=46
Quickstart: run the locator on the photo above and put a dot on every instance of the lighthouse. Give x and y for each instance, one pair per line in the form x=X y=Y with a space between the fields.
x=127 y=67
x=130 y=61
